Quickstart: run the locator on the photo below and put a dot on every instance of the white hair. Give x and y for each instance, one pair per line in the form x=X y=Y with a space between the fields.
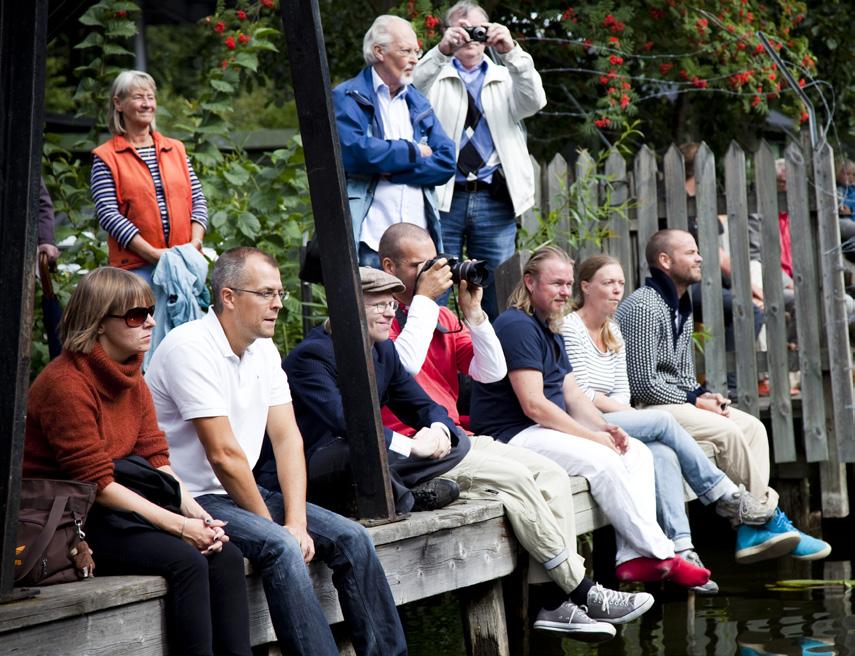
x=378 y=34
x=463 y=8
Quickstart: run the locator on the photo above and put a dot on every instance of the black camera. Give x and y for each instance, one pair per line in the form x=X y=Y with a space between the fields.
x=474 y=272
x=476 y=32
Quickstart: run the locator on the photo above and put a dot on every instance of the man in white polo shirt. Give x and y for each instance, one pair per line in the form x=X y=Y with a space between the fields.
x=217 y=385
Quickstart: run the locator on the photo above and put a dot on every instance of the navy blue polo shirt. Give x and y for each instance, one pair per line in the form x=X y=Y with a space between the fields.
x=527 y=344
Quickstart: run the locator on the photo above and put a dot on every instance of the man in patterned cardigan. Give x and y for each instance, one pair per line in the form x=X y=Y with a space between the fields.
x=656 y=322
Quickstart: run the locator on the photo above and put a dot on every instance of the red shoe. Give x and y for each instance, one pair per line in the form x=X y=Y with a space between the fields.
x=688 y=575
x=646 y=570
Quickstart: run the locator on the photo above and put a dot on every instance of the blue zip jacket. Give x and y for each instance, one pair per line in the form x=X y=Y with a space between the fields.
x=367 y=155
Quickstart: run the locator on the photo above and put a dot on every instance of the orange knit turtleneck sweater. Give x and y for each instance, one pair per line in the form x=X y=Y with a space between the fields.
x=84 y=411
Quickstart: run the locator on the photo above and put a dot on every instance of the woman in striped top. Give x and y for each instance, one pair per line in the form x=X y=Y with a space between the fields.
x=596 y=352
x=147 y=196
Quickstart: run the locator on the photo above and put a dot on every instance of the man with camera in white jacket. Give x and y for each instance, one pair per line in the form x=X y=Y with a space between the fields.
x=481 y=105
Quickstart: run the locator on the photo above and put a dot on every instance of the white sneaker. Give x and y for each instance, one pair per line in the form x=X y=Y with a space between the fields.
x=573 y=621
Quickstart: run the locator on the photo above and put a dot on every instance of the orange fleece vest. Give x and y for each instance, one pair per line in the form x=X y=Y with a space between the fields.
x=138 y=200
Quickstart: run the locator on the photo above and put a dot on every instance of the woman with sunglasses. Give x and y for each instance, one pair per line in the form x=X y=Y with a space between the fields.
x=90 y=417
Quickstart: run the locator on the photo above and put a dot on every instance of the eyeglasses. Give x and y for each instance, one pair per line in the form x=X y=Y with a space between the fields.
x=410 y=52
x=380 y=308
x=135 y=317
x=266 y=294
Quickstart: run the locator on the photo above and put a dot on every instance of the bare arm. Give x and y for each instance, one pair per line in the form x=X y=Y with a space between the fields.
x=528 y=387
x=291 y=470
x=230 y=464
x=605 y=403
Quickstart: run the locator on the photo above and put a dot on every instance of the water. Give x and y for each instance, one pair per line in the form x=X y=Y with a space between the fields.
x=746 y=618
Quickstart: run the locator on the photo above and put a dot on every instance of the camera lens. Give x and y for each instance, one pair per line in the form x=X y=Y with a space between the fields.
x=474 y=272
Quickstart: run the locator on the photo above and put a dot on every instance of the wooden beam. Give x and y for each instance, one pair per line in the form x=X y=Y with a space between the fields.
x=23 y=26
x=484 y=625
x=647 y=210
x=619 y=243
x=311 y=80
x=676 y=206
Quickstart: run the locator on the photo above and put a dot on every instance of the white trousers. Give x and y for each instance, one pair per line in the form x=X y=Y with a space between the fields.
x=622 y=485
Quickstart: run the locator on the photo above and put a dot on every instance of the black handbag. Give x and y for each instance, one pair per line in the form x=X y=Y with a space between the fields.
x=49 y=546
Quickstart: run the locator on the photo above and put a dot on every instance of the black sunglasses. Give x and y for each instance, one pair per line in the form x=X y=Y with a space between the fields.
x=135 y=317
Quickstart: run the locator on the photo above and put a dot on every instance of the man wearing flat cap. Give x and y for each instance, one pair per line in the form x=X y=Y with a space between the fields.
x=218 y=387
x=438 y=444
x=441 y=451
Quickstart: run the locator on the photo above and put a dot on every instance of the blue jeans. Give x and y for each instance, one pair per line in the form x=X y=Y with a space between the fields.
x=345 y=546
x=676 y=455
x=489 y=229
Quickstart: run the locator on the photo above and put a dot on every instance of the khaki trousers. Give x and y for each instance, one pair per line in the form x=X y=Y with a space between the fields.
x=538 y=501
x=740 y=441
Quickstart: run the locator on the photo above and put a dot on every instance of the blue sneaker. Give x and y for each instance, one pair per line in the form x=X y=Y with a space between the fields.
x=809 y=547
x=774 y=539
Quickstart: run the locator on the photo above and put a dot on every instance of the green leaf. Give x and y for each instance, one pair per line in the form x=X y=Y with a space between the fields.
x=121 y=28
x=113 y=49
x=90 y=17
x=237 y=175
x=92 y=40
x=261 y=44
x=247 y=60
x=248 y=224
x=219 y=219
x=222 y=85
x=222 y=107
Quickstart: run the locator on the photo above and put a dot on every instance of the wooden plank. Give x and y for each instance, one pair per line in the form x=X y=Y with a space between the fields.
x=136 y=630
x=833 y=297
x=834 y=485
x=530 y=221
x=484 y=627
x=619 y=244
x=806 y=284
x=508 y=274
x=60 y=601
x=586 y=206
x=555 y=197
x=676 y=208
x=743 y=310
x=310 y=76
x=715 y=367
x=647 y=213
x=783 y=436
x=515 y=589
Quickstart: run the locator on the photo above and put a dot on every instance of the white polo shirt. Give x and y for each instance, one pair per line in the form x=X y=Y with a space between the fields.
x=194 y=373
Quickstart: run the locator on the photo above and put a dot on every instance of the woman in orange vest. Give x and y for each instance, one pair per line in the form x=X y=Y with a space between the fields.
x=146 y=195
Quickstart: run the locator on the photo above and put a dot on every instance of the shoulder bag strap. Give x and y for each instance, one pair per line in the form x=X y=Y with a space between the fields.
x=40 y=543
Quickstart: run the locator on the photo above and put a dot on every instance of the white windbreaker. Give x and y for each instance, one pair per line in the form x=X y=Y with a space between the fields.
x=510 y=93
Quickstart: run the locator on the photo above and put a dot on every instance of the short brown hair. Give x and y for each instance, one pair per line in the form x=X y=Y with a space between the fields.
x=229 y=271
x=104 y=291
x=660 y=242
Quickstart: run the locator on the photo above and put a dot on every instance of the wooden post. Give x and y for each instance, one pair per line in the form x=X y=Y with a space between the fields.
x=310 y=75
x=586 y=168
x=833 y=295
x=647 y=210
x=773 y=301
x=743 y=309
x=23 y=26
x=715 y=362
x=529 y=220
x=676 y=208
x=484 y=626
x=555 y=199
x=807 y=305
x=509 y=273
x=619 y=244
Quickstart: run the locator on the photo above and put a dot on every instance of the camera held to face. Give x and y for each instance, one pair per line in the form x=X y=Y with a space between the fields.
x=474 y=272
x=476 y=32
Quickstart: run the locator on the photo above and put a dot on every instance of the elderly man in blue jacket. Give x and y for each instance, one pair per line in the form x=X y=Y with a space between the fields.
x=393 y=149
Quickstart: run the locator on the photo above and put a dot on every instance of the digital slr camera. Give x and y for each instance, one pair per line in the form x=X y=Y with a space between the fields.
x=474 y=272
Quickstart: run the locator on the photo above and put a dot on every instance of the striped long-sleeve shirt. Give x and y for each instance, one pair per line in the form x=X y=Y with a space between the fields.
x=118 y=226
x=595 y=370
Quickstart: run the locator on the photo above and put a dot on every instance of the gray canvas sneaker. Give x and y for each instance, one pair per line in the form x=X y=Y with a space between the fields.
x=708 y=588
x=617 y=607
x=742 y=507
x=573 y=621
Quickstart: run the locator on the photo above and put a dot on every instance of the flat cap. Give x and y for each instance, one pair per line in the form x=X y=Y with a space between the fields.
x=375 y=281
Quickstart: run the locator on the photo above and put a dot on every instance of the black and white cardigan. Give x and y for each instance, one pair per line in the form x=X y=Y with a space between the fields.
x=657 y=330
